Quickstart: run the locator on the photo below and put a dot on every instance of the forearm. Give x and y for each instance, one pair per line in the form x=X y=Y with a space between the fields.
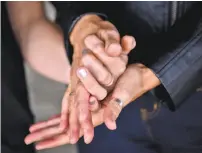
x=41 y=41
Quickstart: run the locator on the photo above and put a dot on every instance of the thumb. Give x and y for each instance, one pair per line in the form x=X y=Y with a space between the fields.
x=122 y=94
x=114 y=106
x=128 y=43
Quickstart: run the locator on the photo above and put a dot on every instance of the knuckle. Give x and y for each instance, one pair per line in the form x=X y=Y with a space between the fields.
x=103 y=33
x=93 y=41
x=114 y=33
x=83 y=118
x=93 y=25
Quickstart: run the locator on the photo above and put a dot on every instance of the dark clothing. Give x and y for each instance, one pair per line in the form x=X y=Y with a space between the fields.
x=169 y=41
x=16 y=115
x=168 y=35
x=162 y=131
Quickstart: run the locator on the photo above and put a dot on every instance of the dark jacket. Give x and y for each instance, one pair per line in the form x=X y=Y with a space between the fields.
x=168 y=35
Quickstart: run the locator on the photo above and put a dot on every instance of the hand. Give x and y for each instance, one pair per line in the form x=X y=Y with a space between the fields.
x=75 y=108
x=136 y=80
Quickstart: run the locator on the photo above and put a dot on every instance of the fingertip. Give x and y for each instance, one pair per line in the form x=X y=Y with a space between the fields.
x=93 y=104
x=39 y=147
x=128 y=43
x=31 y=129
x=88 y=135
x=102 y=95
x=111 y=125
x=88 y=139
x=27 y=140
x=114 y=49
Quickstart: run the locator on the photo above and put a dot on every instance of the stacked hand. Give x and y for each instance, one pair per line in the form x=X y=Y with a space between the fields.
x=99 y=66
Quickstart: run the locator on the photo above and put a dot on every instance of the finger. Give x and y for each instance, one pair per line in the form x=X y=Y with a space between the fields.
x=111 y=40
x=53 y=142
x=82 y=98
x=111 y=113
x=45 y=124
x=64 y=111
x=115 y=65
x=74 y=126
x=93 y=104
x=128 y=43
x=101 y=74
x=92 y=86
x=42 y=134
x=122 y=94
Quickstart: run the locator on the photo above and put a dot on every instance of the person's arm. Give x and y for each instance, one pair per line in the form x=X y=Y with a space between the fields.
x=180 y=69
x=41 y=41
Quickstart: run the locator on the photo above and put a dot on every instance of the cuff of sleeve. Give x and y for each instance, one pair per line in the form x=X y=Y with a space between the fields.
x=163 y=94
x=68 y=29
x=177 y=75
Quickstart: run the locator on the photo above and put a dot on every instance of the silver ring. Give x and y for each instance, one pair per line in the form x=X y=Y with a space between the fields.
x=120 y=102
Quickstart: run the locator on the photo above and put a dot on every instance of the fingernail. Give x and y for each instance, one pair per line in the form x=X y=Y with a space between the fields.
x=112 y=125
x=85 y=51
x=92 y=102
x=82 y=73
x=133 y=43
x=38 y=147
x=27 y=142
x=87 y=139
x=72 y=140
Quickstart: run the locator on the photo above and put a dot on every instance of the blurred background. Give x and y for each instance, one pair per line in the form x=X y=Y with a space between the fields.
x=45 y=94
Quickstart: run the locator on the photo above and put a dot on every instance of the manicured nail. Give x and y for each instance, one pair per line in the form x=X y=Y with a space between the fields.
x=82 y=73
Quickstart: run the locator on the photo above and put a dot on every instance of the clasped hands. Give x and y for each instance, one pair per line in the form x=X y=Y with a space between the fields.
x=101 y=85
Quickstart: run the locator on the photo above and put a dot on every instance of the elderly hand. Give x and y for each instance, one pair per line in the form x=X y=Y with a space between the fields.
x=97 y=47
x=136 y=80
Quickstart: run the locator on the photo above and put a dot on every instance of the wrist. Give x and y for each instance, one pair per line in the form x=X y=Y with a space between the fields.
x=85 y=26
x=150 y=80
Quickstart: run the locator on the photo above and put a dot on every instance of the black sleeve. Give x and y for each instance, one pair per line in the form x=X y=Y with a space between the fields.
x=68 y=13
x=180 y=70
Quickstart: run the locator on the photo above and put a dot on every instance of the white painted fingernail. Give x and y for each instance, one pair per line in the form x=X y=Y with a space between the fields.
x=82 y=73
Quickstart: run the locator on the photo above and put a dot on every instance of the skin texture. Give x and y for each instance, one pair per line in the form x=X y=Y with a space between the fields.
x=47 y=133
x=40 y=40
x=42 y=47
x=92 y=48
x=107 y=52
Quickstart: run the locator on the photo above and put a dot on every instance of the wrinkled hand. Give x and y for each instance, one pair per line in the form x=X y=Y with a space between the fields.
x=96 y=43
x=136 y=80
